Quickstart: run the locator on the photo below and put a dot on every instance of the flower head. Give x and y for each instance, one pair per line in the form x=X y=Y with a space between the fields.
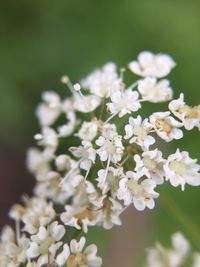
x=152 y=65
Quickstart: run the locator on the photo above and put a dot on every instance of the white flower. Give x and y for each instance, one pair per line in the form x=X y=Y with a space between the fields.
x=138 y=131
x=86 y=153
x=49 y=139
x=166 y=126
x=102 y=81
x=190 y=116
x=65 y=163
x=38 y=163
x=46 y=243
x=12 y=253
x=151 y=165
x=110 y=148
x=7 y=235
x=88 y=130
x=123 y=102
x=180 y=169
x=154 y=91
x=50 y=188
x=79 y=217
x=86 y=195
x=87 y=103
x=49 y=111
x=68 y=128
x=70 y=183
x=109 y=182
x=108 y=130
x=109 y=211
x=38 y=213
x=152 y=65
x=76 y=256
x=141 y=194
x=172 y=257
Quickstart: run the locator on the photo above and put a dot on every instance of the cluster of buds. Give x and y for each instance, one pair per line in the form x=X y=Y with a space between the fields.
x=96 y=157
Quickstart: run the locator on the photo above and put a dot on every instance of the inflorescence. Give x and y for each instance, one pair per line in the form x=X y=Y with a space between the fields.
x=96 y=157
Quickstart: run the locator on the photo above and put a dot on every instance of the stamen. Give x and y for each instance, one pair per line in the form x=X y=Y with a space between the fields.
x=65 y=80
x=122 y=71
x=133 y=85
x=77 y=88
x=38 y=137
x=111 y=117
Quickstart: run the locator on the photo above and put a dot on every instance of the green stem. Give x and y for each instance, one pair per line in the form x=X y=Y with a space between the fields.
x=102 y=109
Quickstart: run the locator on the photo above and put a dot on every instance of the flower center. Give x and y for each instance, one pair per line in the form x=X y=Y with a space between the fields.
x=135 y=188
x=149 y=163
x=178 y=167
x=44 y=247
x=163 y=125
x=77 y=260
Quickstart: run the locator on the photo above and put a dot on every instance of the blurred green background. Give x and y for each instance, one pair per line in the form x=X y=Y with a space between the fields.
x=42 y=40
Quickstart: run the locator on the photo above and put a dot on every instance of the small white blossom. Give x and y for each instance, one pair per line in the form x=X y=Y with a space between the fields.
x=48 y=138
x=86 y=195
x=50 y=109
x=86 y=153
x=68 y=128
x=110 y=148
x=74 y=255
x=166 y=126
x=109 y=211
x=109 y=182
x=49 y=188
x=38 y=163
x=141 y=194
x=123 y=102
x=154 y=91
x=46 y=243
x=70 y=183
x=190 y=116
x=170 y=257
x=152 y=65
x=180 y=169
x=65 y=163
x=88 y=130
x=151 y=165
x=138 y=131
x=102 y=81
x=87 y=103
x=108 y=130
x=12 y=253
x=38 y=213
x=79 y=217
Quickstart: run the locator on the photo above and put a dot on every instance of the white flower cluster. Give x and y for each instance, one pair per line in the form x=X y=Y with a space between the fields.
x=97 y=156
x=177 y=256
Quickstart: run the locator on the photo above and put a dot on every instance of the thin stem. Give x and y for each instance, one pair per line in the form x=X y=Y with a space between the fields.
x=111 y=117
x=87 y=174
x=126 y=158
x=17 y=226
x=69 y=172
x=133 y=85
x=102 y=109
x=107 y=167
